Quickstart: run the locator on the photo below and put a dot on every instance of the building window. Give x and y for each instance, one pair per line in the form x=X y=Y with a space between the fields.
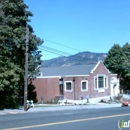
x=95 y=83
x=100 y=82
x=68 y=86
x=106 y=82
x=84 y=85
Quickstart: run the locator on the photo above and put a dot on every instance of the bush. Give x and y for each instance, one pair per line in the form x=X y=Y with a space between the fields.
x=52 y=101
x=118 y=98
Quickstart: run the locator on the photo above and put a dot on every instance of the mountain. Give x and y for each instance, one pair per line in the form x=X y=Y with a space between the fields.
x=77 y=59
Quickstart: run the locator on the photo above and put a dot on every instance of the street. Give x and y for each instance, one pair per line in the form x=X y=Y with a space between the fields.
x=83 y=119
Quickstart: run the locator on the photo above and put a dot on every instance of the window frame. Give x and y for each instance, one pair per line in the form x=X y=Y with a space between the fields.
x=100 y=82
x=96 y=82
x=65 y=83
x=84 y=90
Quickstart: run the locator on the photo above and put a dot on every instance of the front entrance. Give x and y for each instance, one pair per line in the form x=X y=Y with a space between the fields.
x=61 y=88
x=114 y=86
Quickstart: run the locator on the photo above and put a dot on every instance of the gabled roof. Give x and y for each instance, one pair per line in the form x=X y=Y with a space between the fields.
x=67 y=70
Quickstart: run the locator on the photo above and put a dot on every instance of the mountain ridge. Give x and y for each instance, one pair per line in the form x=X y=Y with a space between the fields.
x=80 y=58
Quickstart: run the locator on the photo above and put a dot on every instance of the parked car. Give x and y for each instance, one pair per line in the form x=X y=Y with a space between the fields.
x=126 y=103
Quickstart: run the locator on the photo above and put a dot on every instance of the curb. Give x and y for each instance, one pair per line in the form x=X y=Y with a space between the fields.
x=58 y=108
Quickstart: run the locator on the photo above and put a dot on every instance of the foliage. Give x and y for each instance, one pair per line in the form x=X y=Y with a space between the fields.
x=14 y=18
x=117 y=61
x=126 y=50
x=126 y=77
x=51 y=101
x=32 y=95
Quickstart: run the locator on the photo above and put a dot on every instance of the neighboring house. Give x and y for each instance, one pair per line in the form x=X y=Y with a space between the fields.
x=74 y=82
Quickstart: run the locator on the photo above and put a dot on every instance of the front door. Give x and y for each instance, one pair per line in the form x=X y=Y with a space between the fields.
x=61 y=87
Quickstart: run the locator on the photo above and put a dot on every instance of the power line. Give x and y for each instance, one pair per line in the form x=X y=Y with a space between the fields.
x=51 y=51
x=58 y=52
x=61 y=53
x=55 y=50
x=62 y=45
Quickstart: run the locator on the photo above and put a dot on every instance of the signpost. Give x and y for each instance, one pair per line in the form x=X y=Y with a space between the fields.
x=42 y=98
x=82 y=100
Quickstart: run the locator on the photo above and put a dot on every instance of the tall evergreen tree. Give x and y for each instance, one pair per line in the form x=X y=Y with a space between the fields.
x=14 y=18
x=115 y=60
x=116 y=63
x=126 y=49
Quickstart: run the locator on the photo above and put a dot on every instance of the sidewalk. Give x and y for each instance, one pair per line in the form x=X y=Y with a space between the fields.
x=45 y=108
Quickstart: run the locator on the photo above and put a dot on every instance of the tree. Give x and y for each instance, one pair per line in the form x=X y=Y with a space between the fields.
x=118 y=61
x=115 y=60
x=14 y=18
x=126 y=50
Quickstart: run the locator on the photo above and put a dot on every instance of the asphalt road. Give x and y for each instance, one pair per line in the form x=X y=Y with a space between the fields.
x=85 y=119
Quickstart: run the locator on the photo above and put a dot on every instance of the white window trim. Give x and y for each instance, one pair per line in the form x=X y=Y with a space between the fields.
x=102 y=90
x=71 y=86
x=86 y=86
x=105 y=87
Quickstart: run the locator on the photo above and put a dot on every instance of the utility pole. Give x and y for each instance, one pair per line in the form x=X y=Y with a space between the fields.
x=26 y=69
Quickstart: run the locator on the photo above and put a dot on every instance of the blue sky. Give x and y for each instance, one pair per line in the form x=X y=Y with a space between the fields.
x=86 y=25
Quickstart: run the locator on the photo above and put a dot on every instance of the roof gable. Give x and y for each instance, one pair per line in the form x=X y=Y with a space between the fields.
x=99 y=62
